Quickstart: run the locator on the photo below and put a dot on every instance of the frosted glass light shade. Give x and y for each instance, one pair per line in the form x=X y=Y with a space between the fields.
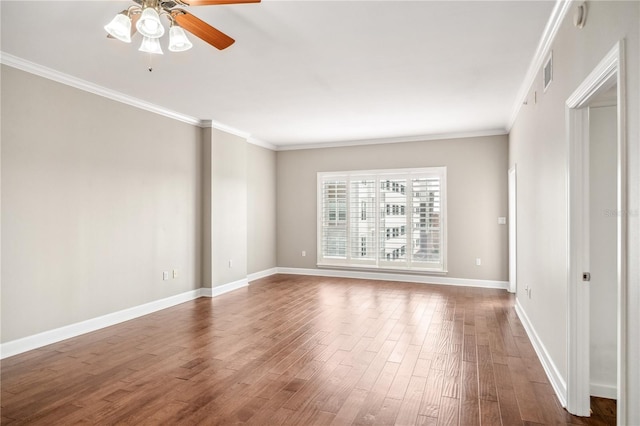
x=149 y=24
x=178 y=41
x=120 y=27
x=151 y=45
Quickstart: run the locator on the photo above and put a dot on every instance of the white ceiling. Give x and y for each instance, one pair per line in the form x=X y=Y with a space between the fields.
x=307 y=72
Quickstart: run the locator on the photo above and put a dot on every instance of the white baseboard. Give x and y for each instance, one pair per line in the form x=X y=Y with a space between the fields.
x=226 y=288
x=412 y=278
x=553 y=374
x=603 y=391
x=39 y=340
x=262 y=274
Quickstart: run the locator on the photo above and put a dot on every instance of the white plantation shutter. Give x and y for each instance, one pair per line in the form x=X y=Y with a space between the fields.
x=362 y=219
x=383 y=219
x=426 y=221
x=334 y=218
x=393 y=221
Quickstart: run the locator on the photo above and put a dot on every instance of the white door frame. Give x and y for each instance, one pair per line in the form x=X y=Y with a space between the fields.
x=513 y=263
x=609 y=72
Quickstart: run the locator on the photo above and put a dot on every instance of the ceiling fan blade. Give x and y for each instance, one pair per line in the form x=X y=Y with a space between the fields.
x=201 y=29
x=214 y=2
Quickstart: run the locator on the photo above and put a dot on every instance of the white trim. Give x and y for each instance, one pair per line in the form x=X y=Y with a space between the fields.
x=609 y=71
x=596 y=79
x=544 y=45
x=262 y=274
x=45 y=338
x=411 y=278
x=223 y=127
x=260 y=142
x=226 y=288
x=513 y=229
x=578 y=292
x=69 y=80
x=604 y=391
x=418 y=138
x=206 y=292
x=553 y=374
x=87 y=86
x=35 y=341
x=390 y=270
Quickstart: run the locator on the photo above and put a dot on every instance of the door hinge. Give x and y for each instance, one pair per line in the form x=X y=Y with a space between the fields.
x=586 y=276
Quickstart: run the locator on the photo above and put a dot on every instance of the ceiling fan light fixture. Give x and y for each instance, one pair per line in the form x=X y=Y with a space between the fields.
x=178 y=41
x=120 y=27
x=151 y=45
x=149 y=24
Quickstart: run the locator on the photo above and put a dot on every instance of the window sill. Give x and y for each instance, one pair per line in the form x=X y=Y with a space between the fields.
x=437 y=272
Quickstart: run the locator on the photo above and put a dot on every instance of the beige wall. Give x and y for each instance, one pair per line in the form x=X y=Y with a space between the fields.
x=476 y=190
x=538 y=145
x=239 y=198
x=261 y=209
x=98 y=199
x=228 y=208
x=206 y=208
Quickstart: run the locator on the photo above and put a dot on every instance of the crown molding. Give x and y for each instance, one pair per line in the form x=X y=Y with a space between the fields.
x=380 y=141
x=263 y=144
x=558 y=14
x=60 y=77
x=245 y=135
x=213 y=124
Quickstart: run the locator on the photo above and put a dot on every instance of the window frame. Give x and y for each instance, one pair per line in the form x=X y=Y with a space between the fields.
x=383 y=177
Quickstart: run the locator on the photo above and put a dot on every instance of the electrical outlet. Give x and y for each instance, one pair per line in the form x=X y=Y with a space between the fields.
x=230 y=263
x=165 y=275
x=175 y=273
x=502 y=220
x=304 y=253
x=478 y=261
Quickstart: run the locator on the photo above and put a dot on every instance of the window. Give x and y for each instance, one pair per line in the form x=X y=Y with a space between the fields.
x=383 y=219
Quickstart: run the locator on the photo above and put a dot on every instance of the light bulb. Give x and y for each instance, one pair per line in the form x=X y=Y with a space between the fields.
x=149 y=24
x=120 y=27
x=151 y=45
x=178 y=41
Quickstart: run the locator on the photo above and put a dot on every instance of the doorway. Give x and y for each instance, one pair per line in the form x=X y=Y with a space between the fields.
x=597 y=238
x=603 y=256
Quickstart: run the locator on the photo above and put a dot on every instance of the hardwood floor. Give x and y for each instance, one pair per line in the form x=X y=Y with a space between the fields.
x=298 y=350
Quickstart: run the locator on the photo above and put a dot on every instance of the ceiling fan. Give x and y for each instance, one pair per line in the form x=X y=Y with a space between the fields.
x=144 y=17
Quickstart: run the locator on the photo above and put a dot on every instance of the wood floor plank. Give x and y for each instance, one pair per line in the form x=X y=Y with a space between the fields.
x=486 y=379
x=351 y=407
x=524 y=392
x=490 y=413
x=404 y=373
x=298 y=350
x=410 y=406
x=430 y=404
x=448 y=414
